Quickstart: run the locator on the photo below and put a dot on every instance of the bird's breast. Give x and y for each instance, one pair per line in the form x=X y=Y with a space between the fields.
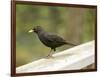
x=44 y=40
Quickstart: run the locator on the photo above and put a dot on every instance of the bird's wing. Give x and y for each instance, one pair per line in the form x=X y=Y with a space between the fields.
x=58 y=39
x=55 y=38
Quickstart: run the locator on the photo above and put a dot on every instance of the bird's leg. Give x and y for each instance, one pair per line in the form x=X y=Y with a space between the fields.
x=54 y=49
x=50 y=53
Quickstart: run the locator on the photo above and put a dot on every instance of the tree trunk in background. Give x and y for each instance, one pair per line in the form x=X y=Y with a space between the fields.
x=55 y=18
x=74 y=22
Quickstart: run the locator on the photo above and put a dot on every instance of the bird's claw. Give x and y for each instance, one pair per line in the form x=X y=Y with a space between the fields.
x=49 y=56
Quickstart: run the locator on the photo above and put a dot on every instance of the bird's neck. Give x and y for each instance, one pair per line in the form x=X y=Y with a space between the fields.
x=41 y=32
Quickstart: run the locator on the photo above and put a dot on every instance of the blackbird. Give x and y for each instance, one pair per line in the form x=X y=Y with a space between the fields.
x=48 y=39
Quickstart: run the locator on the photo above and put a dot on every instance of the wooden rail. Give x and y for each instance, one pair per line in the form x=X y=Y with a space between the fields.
x=74 y=58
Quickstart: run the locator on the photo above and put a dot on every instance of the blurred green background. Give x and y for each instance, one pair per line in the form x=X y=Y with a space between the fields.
x=75 y=25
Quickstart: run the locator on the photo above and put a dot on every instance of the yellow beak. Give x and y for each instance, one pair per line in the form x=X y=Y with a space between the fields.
x=30 y=31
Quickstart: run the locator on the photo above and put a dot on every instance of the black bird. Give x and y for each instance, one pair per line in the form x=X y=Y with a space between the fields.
x=48 y=39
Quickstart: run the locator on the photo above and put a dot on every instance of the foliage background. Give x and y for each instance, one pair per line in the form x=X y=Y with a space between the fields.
x=75 y=25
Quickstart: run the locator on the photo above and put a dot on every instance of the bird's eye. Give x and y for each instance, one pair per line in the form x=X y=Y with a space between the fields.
x=34 y=29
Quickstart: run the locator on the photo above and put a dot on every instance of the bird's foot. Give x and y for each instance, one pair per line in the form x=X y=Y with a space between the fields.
x=49 y=56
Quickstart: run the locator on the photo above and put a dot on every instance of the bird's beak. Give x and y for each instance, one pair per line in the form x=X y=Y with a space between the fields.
x=30 y=31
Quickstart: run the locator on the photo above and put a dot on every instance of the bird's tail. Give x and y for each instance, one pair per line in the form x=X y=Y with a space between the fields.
x=70 y=44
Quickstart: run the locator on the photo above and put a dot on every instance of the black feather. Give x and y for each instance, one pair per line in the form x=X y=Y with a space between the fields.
x=50 y=40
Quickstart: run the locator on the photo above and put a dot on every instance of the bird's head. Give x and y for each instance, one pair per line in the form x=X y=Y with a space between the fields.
x=36 y=29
